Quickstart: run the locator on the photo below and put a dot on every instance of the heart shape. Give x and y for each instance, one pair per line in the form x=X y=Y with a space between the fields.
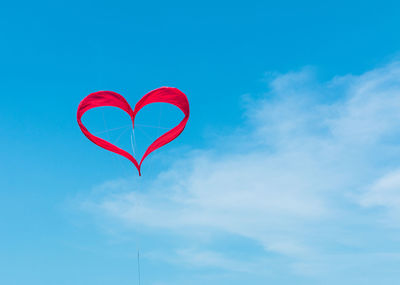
x=168 y=95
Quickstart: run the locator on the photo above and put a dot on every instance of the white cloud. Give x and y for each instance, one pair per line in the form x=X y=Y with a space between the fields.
x=385 y=192
x=291 y=179
x=196 y=258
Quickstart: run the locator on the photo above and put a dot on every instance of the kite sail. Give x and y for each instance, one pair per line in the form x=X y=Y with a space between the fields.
x=167 y=95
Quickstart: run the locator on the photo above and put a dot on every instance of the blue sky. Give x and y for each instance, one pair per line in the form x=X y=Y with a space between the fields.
x=287 y=173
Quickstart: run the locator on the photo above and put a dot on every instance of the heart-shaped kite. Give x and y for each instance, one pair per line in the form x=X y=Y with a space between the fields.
x=108 y=98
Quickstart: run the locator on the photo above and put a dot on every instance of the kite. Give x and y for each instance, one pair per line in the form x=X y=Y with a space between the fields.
x=168 y=95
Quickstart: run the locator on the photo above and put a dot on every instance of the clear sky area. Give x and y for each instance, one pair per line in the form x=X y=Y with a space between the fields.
x=288 y=171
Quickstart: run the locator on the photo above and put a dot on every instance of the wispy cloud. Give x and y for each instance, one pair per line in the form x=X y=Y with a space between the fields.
x=298 y=178
x=385 y=193
x=200 y=258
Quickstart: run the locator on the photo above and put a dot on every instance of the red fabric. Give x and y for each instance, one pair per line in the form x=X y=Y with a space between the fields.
x=108 y=98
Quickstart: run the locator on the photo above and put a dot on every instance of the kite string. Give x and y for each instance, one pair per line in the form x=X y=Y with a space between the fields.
x=99 y=78
x=133 y=145
x=109 y=130
x=150 y=126
x=134 y=148
x=138 y=262
x=120 y=135
x=133 y=142
x=105 y=124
